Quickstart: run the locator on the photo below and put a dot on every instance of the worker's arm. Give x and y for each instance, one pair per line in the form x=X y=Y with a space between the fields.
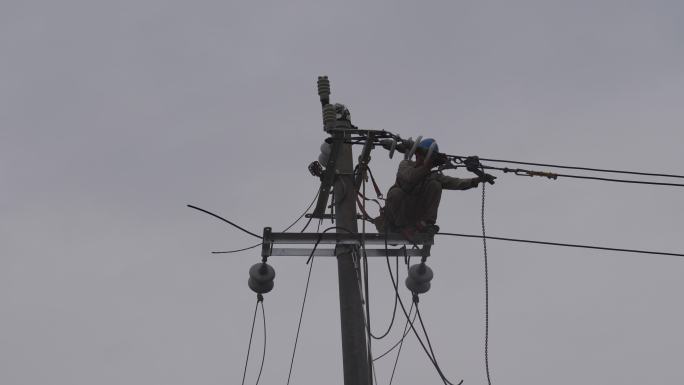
x=451 y=183
x=410 y=175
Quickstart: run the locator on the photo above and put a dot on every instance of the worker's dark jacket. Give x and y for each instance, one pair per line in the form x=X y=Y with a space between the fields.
x=416 y=194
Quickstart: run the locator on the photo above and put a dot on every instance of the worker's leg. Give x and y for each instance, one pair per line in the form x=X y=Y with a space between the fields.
x=398 y=209
x=428 y=203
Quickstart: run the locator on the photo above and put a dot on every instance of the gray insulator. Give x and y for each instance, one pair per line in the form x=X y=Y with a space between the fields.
x=419 y=277
x=415 y=287
x=421 y=273
x=260 y=288
x=262 y=272
x=329 y=116
x=323 y=87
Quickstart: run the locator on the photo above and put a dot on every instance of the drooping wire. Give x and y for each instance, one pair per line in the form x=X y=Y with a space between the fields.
x=225 y=220
x=287 y=228
x=394 y=311
x=584 y=168
x=404 y=334
x=564 y=244
x=486 y=276
x=401 y=344
x=237 y=250
x=263 y=356
x=260 y=299
x=306 y=291
x=304 y=213
x=415 y=332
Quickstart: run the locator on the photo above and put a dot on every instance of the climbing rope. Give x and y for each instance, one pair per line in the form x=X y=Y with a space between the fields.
x=486 y=273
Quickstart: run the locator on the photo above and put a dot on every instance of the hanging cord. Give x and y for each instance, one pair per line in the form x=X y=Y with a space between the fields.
x=486 y=275
x=415 y=332
x=260 y=300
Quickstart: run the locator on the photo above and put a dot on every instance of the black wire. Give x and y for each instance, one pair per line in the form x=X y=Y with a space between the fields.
x=403 y=308
x=301 y=313
x=306 y=290
x=584 y=168
x=401 y=344
x=237 y=250
x=404 y=334
x=287 y=228
x=263 y=356
x=422 y=326
x=564 y=244
x=225 y=220
x=394 y=312
x=304 y=213
x=597 y=178
x=249 y=346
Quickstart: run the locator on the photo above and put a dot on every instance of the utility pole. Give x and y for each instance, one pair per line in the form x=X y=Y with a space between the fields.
x=354 y=348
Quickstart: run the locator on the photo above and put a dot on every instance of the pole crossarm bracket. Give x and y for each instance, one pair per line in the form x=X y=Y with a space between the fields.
x=393 y=239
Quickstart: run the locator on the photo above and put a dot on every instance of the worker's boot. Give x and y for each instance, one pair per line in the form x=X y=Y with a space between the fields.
x=427 y=228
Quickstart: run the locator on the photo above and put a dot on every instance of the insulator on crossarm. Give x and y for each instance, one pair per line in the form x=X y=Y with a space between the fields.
x=261 y=277
x=419 y=277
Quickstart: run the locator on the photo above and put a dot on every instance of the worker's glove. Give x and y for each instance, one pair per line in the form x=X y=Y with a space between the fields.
x=487 y=178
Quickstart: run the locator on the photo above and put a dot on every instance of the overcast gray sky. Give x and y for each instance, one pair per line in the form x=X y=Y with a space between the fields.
x=114 y=115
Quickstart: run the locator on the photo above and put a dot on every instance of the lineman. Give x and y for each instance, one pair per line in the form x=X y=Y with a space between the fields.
x=413 y=201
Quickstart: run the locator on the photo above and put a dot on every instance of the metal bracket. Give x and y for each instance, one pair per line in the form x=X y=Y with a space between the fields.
x=393 y=239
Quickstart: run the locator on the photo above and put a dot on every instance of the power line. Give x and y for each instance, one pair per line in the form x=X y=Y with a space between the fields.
x=554 y=175
x=263 y=355
x=404 y=334
x=225 y=220
x=564 y=244
x=301 y=313
x=260 y=298
x=584 y=168
x=287 y=228
x=403 y=308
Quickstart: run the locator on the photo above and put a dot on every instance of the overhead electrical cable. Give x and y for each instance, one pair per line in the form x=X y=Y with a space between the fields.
x=401 y=344
x=260 y=299
x=584 y=168
x=564 y=244
x=554 y=175
x=309 y=261
x=415 y=332
x=225 y=220
x=403 y=335
x=287 y=228
x=263 y=355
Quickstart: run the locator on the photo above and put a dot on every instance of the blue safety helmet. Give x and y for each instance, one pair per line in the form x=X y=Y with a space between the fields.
x=425 y=144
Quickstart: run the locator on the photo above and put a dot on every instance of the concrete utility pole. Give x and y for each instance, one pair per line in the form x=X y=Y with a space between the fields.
x=354 y=348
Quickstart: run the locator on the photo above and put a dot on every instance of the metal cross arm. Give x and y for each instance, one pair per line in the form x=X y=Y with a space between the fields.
x=270 y=239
